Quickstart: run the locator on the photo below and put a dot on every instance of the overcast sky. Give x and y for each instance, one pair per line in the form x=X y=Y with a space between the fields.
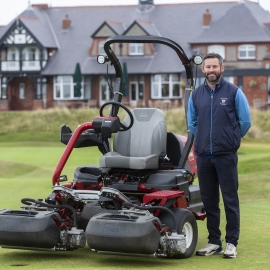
x=10 y=9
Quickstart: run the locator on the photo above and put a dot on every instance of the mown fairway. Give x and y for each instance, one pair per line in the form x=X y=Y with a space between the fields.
x=30 y=150
x=26 y=171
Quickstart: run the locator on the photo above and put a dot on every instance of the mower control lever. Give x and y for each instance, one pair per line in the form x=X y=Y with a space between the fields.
x=106 y=125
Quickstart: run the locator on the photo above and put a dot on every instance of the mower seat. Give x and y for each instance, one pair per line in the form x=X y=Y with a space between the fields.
x=139 y=147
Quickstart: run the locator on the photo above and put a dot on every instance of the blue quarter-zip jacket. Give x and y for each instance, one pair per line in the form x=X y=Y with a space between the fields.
x=218 y=118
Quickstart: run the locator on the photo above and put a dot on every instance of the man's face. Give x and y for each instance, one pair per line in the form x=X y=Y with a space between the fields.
x=212 y=70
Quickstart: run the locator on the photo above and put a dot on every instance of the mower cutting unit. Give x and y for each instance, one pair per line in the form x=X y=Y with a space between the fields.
x=140 y=200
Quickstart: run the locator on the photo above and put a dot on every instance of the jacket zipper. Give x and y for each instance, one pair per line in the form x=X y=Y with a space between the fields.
x=211 y=122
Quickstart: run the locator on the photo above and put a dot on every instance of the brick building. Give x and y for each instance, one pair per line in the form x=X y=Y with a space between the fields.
x=40 y=49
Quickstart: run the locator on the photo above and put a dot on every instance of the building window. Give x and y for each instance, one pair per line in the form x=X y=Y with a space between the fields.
x=87 y=87
x=246 y=51
x=32 y=54
x=135 y=49
x=30 y=57
x=217 y=49
x=64 y=88
x=22 y=91
x=229 y=79
x=104 y=92
x=13 y=54
x=101 y=47
x=166 y=86
x=41 y=88
x=3 y=88
x=136 y=90
x=44 y=54
x=200 y=80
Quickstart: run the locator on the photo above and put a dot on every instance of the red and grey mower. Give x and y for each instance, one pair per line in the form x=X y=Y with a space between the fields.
x=139 y=200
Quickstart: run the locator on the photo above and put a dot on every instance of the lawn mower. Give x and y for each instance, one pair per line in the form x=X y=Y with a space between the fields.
x=140 y=200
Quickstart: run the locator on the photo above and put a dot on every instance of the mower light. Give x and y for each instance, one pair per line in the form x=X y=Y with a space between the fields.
x=101 y=59
x=197 y=59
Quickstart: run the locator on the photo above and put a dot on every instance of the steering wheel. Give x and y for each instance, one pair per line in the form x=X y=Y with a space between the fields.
x=122 y=126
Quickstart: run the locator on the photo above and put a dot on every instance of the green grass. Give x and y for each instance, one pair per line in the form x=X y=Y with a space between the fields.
x=32 y=178
x=30 y=150
x=253 y=251
x=44 y=125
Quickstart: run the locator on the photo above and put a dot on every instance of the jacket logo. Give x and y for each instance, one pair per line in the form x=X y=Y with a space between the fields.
x=223 y=101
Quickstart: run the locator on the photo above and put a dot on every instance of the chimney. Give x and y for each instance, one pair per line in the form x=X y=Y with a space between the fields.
x=145 y=5
x=66 y=22
x=42 y=6
x=207 y=18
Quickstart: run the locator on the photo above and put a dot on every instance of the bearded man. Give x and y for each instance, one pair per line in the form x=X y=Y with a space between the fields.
x=218 y=116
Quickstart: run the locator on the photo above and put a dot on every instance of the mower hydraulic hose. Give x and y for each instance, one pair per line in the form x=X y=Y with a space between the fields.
x=29 y=201
x=192 y=177
x=127 y=204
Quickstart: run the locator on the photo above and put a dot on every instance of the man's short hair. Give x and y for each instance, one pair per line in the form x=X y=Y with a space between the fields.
x=213 y=55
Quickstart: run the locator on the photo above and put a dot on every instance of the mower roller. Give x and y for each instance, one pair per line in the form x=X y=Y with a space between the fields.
x=140 y=199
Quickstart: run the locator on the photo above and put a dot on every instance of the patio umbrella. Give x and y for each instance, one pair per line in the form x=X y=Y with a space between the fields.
x=77 y=78
x=125 y=80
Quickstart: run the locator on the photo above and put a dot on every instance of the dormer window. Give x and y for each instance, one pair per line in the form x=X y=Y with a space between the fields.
x=101 y=47
x=217 y=49
x=136 y=49
x=246 y=51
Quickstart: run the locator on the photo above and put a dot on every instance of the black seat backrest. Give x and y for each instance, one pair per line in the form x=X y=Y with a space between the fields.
x=174 y=148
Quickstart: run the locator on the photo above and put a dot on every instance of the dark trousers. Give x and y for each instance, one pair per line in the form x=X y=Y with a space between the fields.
x=220 y=171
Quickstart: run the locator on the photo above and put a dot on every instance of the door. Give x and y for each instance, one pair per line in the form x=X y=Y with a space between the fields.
x=136 y=93
x=105 y=94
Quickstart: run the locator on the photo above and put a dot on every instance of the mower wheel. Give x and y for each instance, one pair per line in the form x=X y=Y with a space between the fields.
x=186 y=225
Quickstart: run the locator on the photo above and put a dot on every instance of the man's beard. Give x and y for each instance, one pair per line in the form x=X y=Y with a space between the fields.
x=212 y=78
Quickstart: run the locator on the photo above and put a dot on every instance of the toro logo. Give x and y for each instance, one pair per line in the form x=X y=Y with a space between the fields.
x=111 y=229
x=11 y=224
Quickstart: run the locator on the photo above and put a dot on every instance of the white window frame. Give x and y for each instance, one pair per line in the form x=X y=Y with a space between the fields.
x=41 y=89
x=247 y=48
x=137 y=86
x=30 y=57
x=3 y=88
x=32 y=54
x=101 y=48
x=30 y=51
x=156 y=86
x=103 y=85
x=44 y=54
x=13 y=54
x=229 y=79
x=220 y=49
x=22 y=91
x=65 y=82
x=87 y=87
x=201 y=80
x=136 y=49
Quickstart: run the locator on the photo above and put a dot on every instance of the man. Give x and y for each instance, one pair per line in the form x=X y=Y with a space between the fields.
x=218 y=116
